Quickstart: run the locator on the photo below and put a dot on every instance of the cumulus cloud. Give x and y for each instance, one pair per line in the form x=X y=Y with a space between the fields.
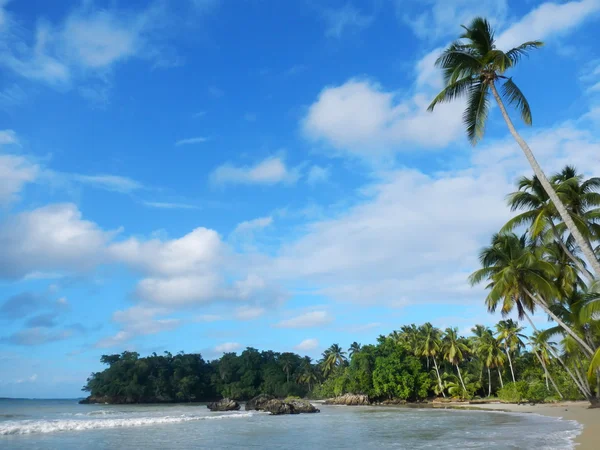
x=50 y=238
x=307 y=320
x=361 y=118
x=307 y=345
x=270 y=171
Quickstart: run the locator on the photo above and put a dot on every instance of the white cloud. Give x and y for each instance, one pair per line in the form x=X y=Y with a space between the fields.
x=89 y=41
x=109 y=182
x=138 y=321
x=361 y=118
x=345 y=19
x=307 y=345
x=195 y=252
x=547 y=20
x=249 y=312
x=182 y=290
x=189 y=141
x=317 y=174
x=15 y=173
x=267 y=172
x=437 y=19
x=228 y=347
x=307 y=320
x=51 y=238
x=253 y=225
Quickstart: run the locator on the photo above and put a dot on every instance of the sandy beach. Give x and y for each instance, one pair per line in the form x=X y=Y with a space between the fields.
x=589 y=439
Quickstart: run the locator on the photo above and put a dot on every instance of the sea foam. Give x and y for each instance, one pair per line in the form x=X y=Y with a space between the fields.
x=51 y=426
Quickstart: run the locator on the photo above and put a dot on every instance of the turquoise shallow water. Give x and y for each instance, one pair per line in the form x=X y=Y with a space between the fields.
x=64 y=424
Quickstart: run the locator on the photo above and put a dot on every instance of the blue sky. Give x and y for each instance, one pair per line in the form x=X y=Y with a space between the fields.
x=206 y=175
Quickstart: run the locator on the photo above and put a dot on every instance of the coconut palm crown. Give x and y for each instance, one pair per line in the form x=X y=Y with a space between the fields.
x=471 y=67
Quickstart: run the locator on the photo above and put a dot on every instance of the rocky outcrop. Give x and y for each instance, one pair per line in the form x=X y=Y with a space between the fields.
x=278 y=407
x=304 y=406
x=224 y=405
x=258 y=402
x=349 y=400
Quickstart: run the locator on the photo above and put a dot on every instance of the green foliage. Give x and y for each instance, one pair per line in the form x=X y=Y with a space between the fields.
x=513 y=392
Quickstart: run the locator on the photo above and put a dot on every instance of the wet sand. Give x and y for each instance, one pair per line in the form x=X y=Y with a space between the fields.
x=589 y=439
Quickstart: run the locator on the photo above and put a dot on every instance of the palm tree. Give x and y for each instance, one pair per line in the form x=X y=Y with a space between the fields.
x=354 y=348
x=472 y=67
x=539 y=215
x=430 y=344
x=333 y=357
x=308 y=374
x=509 y=333
x=287 y=365
x=581 y=199
x=485 y=347
x=454 y=351
x=540 y=347
x=519 y=278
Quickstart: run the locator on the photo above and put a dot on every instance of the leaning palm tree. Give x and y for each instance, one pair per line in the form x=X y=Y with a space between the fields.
x=474 y=67
x=454 y=351
x=429 y=346
x=519 y=278
x=509 y=333
x=541 y=348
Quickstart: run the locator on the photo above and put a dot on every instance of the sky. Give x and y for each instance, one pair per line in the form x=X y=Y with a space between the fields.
x=208 y=175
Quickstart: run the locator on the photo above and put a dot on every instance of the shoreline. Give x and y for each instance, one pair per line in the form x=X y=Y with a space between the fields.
x=589 y=419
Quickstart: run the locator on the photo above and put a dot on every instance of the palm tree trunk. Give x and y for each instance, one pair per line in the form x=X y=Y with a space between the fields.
x=438 y=376
x=586 y=392
x=547 y=375
x=489 y=382
x=542 y=304
x=461 y=380
x=500 y=376
x=587 y=251
x=512 y=372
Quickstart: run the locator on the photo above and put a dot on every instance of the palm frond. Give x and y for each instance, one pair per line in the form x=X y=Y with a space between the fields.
x=476 y=112
x=451 y=92
x=515 y=97
x=515 y=54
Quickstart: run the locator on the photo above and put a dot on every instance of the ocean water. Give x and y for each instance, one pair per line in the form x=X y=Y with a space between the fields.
x=64 y=424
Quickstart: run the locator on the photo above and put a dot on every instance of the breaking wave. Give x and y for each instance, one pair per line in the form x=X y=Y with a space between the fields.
x=52 y=426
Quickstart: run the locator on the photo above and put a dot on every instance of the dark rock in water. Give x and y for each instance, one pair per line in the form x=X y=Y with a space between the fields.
x=258 y=402
x=304 y=406
x=278 y=407
x=349 y=400
x=224 y=405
